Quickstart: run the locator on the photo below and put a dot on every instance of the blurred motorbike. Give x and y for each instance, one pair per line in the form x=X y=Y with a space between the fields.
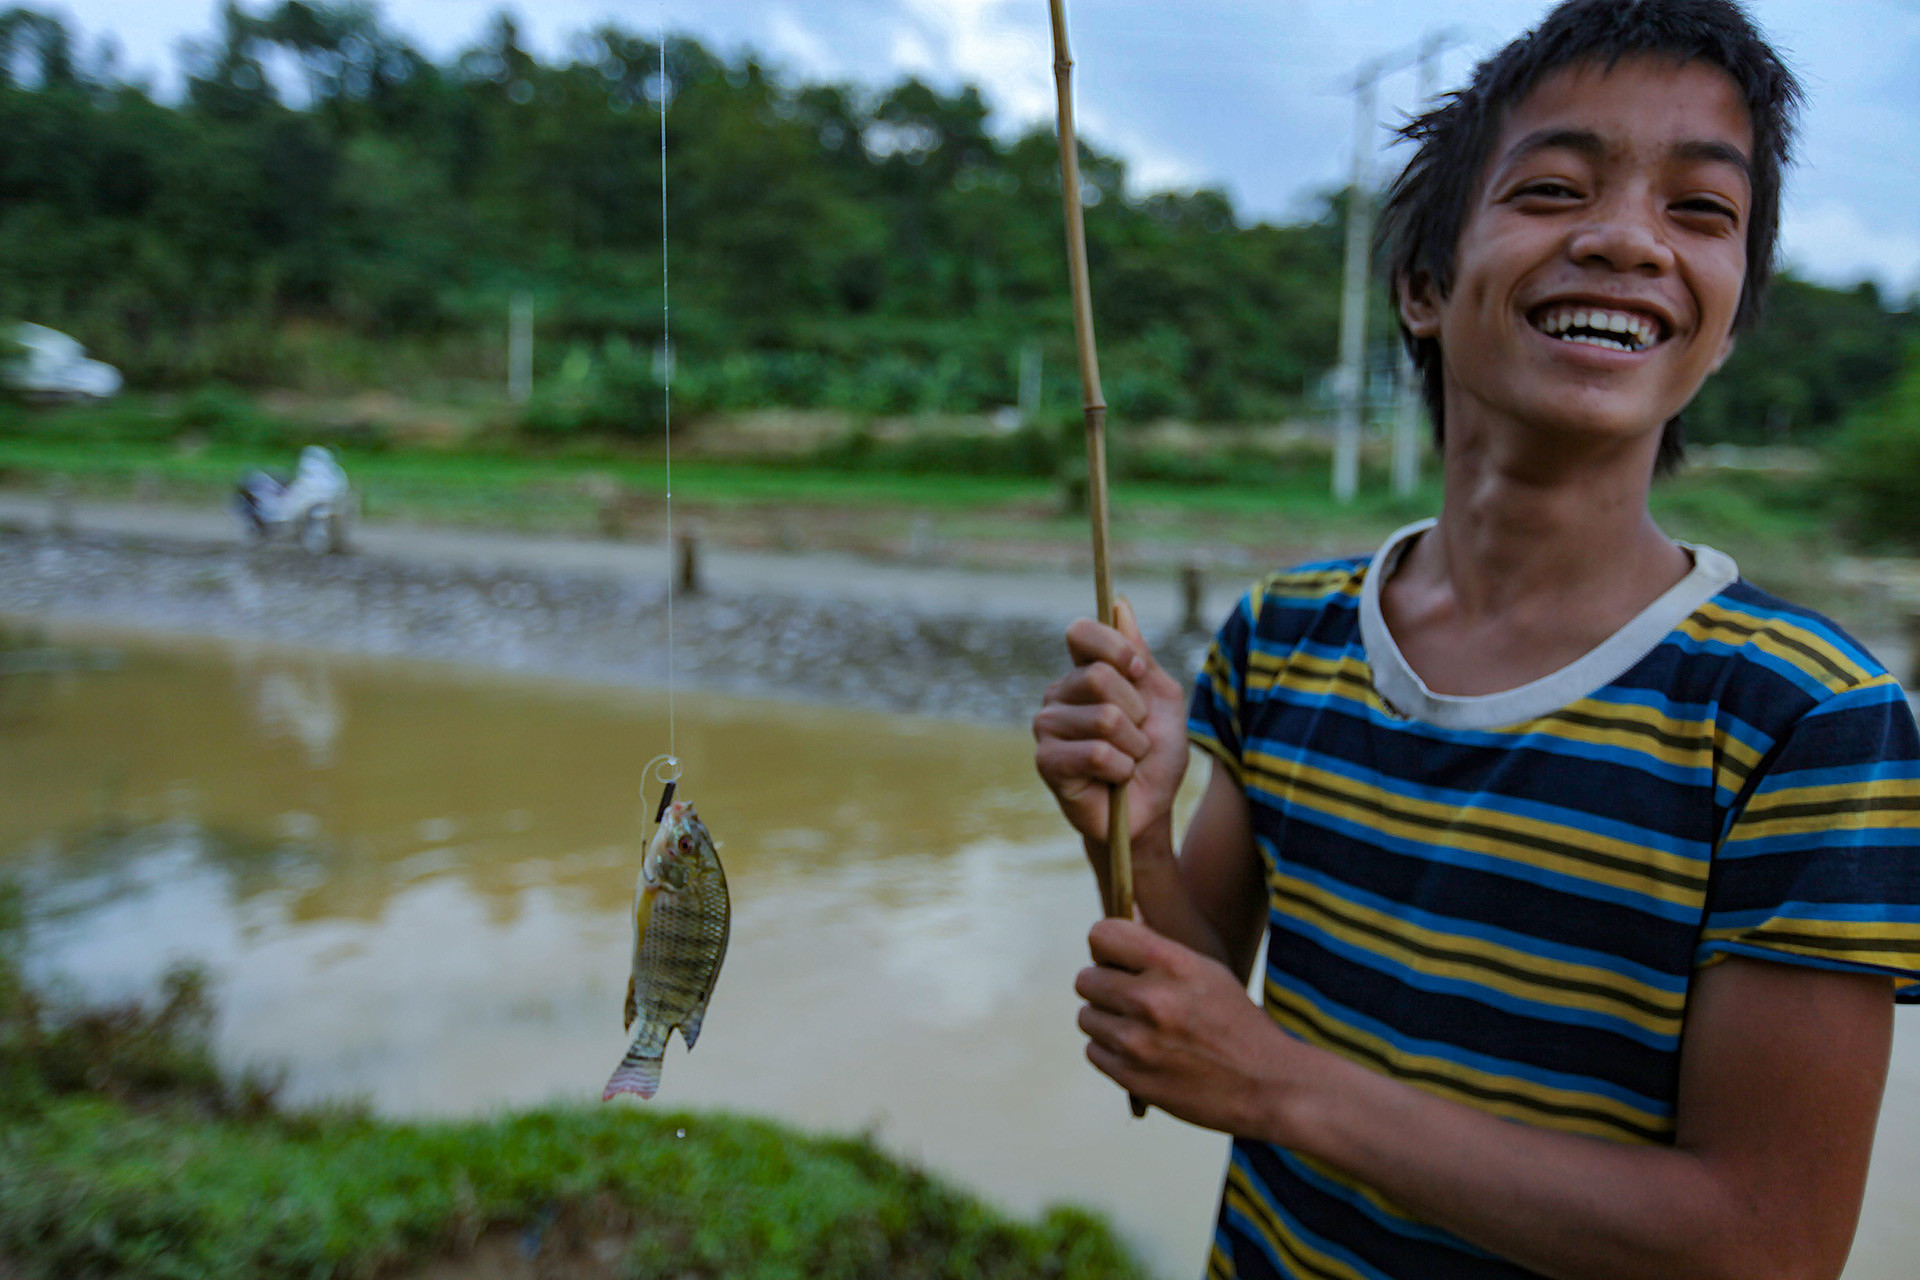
x=315 y=507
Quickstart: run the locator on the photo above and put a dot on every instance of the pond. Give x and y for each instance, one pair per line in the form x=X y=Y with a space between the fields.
x=411 y=884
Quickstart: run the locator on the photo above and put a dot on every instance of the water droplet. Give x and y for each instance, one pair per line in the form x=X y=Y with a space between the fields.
x=679 y=1133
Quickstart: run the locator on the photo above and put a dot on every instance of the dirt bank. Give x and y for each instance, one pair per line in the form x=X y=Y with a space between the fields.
x=938 y=642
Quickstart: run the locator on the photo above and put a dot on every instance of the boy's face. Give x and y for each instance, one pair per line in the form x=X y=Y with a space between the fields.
x=1603 y=255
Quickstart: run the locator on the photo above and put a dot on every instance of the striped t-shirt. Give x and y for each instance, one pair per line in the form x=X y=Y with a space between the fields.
x=1502 y=899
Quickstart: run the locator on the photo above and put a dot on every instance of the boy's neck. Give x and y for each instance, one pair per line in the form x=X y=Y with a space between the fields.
x=1537 y=559
x=1516 y=526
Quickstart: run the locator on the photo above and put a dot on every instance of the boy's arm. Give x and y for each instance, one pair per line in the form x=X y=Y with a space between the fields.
x=1214 y=891
x=1781 y=1073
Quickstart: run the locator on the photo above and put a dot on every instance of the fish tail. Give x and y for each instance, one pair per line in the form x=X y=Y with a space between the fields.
x=637 y=1073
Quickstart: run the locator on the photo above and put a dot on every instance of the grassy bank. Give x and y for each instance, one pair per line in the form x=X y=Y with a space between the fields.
x=124 y=1151
x=941 y=490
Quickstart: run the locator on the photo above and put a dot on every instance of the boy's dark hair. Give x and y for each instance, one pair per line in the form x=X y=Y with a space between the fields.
x=1426 y=207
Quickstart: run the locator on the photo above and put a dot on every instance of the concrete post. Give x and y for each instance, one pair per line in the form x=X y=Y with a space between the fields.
x=1408 y=417
x=520 y=348
x=1353 y=296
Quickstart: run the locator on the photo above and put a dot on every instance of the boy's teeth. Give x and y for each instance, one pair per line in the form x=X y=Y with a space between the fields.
x=1636 y=332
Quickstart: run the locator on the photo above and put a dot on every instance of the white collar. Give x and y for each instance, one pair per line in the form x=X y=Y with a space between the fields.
x=1408 y=695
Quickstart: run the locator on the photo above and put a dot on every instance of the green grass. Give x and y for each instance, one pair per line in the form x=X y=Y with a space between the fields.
x=133 y=448
x=126 y=1152
x=91 y=1187
x=1783 y=528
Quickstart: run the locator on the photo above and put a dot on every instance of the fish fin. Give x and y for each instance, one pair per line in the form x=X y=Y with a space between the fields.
x=637 y=1073
x=690 y=1029
x=633 y=1006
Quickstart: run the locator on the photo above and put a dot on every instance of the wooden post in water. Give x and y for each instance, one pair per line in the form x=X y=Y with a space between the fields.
x=1193 y=590
x=1913 y=651
x=689 y=554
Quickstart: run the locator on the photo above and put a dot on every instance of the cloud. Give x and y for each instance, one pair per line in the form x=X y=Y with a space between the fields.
x=998 y=45
x=790 y=39
x=1834 y=243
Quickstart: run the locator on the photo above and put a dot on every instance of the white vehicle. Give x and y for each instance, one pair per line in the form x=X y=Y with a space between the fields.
x=315 y=507
x=55 y=367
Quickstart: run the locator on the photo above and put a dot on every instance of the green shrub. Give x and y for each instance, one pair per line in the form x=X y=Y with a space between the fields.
x=1873 y=467
x=1033 y=450
x=13 y=354
x=613 y=392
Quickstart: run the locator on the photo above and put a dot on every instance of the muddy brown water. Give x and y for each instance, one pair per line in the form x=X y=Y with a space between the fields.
x=411 y=883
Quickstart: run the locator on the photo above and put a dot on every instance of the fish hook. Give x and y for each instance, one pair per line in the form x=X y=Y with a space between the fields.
x=664 y=769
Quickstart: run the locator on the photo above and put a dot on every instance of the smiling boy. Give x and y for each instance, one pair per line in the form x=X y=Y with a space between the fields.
x=1587 y=870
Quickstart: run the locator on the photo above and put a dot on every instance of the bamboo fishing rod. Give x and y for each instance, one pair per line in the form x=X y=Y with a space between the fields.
x=1094 y=405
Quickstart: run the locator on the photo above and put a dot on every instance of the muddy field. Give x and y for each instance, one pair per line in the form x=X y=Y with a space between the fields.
x=805 y=643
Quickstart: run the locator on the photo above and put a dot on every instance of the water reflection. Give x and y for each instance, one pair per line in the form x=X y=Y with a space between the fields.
x=411 y=883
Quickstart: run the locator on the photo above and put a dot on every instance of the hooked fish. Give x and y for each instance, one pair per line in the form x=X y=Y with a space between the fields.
x=681 y=919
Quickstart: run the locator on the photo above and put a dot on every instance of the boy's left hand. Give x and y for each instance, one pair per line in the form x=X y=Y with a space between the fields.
x=1176 y=1029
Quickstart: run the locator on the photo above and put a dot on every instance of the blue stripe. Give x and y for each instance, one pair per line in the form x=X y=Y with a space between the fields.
x=1841 y=775
x=1411 y=1228
x=1738 y=846
x=1466 y=988
x=1494 y=801
x=1526 y=944
x=1775 y=956
x=1513 y=869
x=1299 y=1229
x=1745 y=651
x=1856 y=912
x=1654 y=1109
x=1546 y=743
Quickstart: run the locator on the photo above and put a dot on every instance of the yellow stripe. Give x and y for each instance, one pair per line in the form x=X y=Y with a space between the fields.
x=1882 y=804
x=1735 y=763
x=1695 y=752
x=1482 y=1090
x=1215 y=748
x=1317 y=583
x=1351 y=679
x=1395 y=815
x=1241 y=1195
x=1345 y=677
x=1780 y=639
x=1476 y=960
x=1899 y=941
x=1220 y=675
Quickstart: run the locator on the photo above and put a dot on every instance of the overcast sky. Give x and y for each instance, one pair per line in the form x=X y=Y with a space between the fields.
x=1240 y=94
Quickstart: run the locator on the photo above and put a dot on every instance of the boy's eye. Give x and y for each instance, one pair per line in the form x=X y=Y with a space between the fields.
x=1712 y=208
x=1551 y=190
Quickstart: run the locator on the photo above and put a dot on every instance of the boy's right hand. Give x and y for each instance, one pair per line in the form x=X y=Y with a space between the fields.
x=1117 y=719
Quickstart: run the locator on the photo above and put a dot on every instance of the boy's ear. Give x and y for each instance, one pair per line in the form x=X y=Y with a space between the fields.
x=1419 y=305
x=1726 y=350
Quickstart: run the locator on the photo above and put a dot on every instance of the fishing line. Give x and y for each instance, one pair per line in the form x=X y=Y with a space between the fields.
x=666 y=402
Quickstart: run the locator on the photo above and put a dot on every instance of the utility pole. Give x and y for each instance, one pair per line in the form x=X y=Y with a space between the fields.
x=1407 y=403
x=1353 y=297
x=1029 y=383
x=520 y=348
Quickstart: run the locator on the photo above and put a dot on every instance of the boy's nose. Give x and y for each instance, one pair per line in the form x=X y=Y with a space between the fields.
x=1623 y=240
